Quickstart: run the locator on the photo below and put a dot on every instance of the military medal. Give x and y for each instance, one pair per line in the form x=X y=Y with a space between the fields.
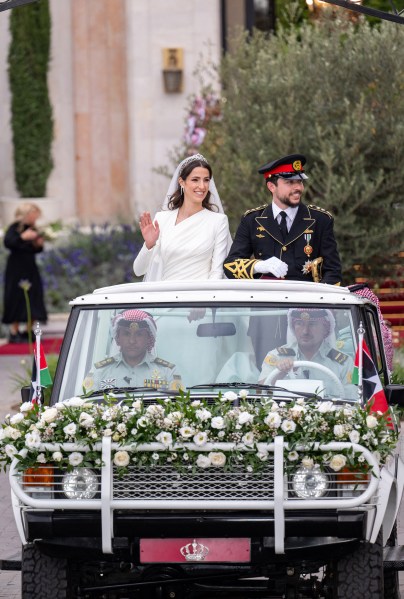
x=307 y=267
x=308 y=250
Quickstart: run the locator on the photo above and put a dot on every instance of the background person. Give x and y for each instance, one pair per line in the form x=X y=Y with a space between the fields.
x=134 y=365
x=190 y=238
x=283 y=239
x=24 y=241
x=311 y=338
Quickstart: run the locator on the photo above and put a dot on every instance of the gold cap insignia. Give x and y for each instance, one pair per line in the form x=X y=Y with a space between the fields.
x=134 y=326
x=305 y=316
x=297 y=165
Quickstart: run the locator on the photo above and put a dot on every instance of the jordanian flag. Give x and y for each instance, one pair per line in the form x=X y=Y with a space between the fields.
x=45 y=378
x=373 y=391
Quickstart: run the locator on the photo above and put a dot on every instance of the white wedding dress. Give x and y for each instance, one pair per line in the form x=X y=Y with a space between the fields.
x=195 y=248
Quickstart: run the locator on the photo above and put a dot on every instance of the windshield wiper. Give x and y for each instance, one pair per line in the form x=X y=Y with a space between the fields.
x=254 y=386
x=132 y=389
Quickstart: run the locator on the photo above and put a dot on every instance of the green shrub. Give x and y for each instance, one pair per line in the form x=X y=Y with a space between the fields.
x=31 y=122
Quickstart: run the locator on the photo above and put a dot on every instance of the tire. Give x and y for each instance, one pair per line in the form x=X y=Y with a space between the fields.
x=391 y=580
x=359 y=574
x=44 y=577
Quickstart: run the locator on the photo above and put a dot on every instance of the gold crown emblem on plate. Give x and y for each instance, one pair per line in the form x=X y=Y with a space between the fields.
x=194 y=552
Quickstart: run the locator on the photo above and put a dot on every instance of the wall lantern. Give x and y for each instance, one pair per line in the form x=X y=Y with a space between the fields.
x=172 y=70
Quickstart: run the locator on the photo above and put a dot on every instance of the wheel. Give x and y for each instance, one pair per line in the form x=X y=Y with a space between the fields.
x=309 y=364
x=358 y=574
x=391 y=580
x=44 y=577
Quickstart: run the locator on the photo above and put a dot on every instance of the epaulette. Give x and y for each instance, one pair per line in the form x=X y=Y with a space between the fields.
x=104 y=362
x=255 y=209
x=161 y=362
x=337 y=356
x=285 y=351
x=313 y=207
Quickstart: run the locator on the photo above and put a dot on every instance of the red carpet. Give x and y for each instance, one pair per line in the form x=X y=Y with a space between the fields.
x=50 y=346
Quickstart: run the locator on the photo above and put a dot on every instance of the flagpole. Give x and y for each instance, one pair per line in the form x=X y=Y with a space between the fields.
x=361 y=332
x=38 y=391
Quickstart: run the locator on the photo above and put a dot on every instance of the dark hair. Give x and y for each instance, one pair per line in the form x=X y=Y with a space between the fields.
x=176 y=200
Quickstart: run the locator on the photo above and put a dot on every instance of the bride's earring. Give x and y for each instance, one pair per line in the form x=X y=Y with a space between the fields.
x=182 y=190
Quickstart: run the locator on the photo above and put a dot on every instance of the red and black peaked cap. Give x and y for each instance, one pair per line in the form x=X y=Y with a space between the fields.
x=288 y=167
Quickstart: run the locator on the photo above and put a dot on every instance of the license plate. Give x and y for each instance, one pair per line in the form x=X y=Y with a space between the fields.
x=194 y=551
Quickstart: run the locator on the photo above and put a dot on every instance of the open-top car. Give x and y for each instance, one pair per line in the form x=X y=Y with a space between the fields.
x=246 y=452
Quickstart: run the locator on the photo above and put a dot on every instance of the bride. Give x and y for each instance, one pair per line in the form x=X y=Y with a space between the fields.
x=189 y=238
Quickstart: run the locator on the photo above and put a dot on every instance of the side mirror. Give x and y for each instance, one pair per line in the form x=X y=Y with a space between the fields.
x=395 y=395
x=26 y=393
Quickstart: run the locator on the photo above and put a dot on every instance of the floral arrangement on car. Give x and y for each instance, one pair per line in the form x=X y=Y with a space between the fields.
x=193 y=434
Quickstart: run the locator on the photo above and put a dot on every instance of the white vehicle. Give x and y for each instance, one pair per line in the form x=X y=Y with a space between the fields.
x=216 y=528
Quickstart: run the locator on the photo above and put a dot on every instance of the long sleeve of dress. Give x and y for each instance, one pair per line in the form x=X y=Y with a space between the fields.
x=143 y=260
x=220 y=248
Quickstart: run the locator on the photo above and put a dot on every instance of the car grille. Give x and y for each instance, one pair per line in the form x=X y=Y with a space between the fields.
x=164 y=482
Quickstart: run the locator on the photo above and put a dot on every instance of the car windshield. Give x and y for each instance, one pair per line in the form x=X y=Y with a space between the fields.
x=298 y=348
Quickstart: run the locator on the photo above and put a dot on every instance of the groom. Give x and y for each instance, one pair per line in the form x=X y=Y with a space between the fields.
x=285 y=239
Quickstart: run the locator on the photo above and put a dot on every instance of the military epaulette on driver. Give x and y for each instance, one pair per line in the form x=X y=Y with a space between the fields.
x=161 y=362
x=337 y=356
x=255 y=209
x=104 y=362
x=313 y=207
x=285 y=351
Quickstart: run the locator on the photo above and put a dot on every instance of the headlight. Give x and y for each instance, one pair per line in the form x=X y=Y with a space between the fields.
x=310 y=483
x=80 y=483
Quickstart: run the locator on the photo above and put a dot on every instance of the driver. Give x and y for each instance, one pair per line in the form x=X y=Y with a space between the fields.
x=310 y=338
x=134 y=332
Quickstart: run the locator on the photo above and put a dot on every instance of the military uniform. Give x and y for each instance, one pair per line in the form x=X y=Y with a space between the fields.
x=339 y=363
x=311 y=236
x=115 y=372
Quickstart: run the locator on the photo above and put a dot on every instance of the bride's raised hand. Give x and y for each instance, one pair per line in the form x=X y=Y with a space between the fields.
x=150 y=230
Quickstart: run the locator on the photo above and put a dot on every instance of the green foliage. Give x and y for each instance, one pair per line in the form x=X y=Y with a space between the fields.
x=32 y=124
x=332 y=91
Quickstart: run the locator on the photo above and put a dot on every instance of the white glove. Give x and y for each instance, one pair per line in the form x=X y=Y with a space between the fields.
x=272 y=265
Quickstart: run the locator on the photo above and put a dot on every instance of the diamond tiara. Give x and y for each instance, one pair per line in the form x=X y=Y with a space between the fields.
x=186 y=161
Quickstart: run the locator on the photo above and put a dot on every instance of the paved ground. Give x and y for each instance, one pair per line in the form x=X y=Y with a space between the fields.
x=10 y=545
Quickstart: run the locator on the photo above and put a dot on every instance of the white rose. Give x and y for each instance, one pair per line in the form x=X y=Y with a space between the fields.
x=354 y=437
x=26 y=406
x=121 y=458
x=10 y=450
x=243 y=393
x=155 y=456
x=136 y=405
x=186 y=432
x=32 y=439
x=248 y=438
x=203 y=461
x=11 y=433
x=245 y=417
x=57 y=456
x=143 y=421
x=122 y=428
x=203 y=414
x=200 y=438
x=339 y=430
x=41 y=458
x=262 y=455
x=296 y=411
x=217 y=422
x=371 y=421
x=155 y=410
x=337 y=462
x=307 y=462
x=273 y=420
x=49 y=415
x=74 y=402
x=325 y=406
x=17 y=418
x=75 y=458
x=288 y=426
x=107 y=432
x=196 y=403
x=165 y=438
x=229 y=396
x=293 y=456
x=70 y=429
x=86 y=420
x=274 y=407
x=217 y=459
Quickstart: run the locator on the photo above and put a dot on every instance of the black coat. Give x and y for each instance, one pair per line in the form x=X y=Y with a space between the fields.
x=258 y=237
x=21 y=266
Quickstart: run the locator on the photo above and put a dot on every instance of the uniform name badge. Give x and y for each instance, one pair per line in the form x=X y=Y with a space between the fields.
x=308 y=250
